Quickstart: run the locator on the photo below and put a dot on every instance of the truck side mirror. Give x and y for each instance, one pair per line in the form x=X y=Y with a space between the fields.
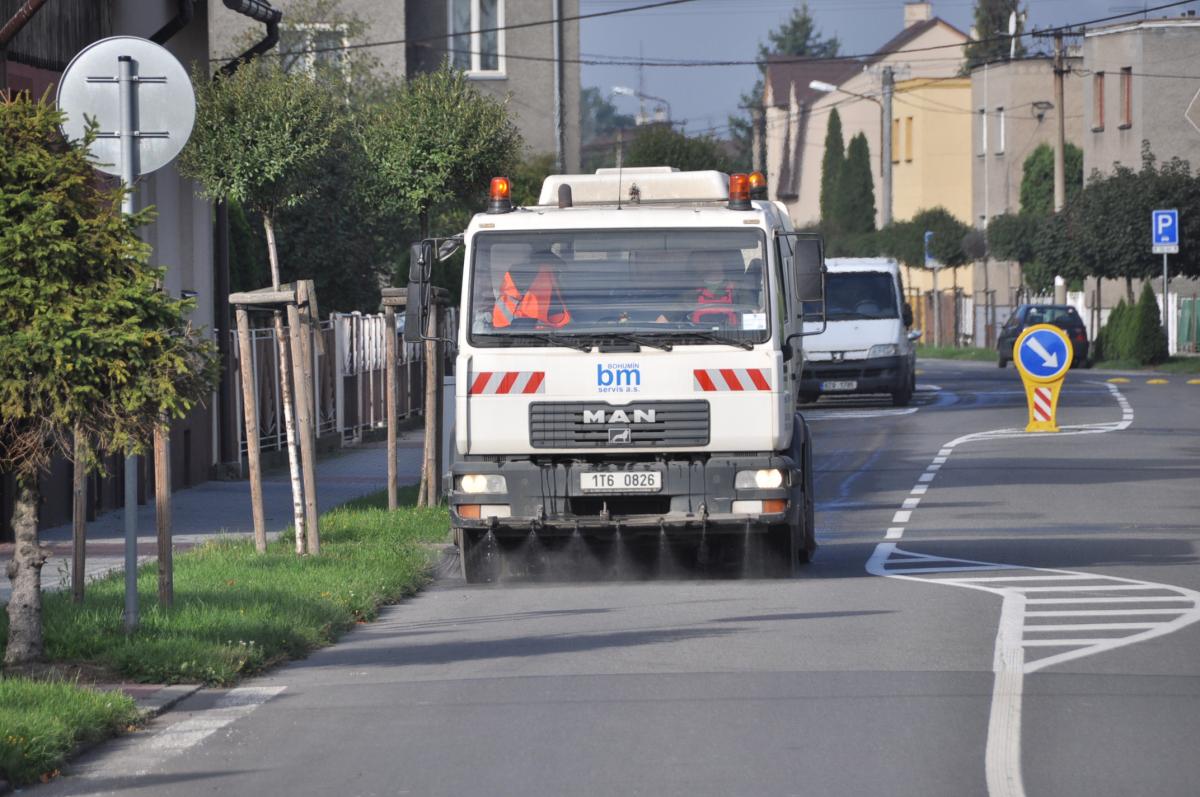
x=810 y=271
x=907 y=315
x=420 y=265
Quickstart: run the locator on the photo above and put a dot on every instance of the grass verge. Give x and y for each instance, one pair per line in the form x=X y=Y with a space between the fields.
x=44 y=721
x=953 y=353
x=1174 y=365
x=236 y=612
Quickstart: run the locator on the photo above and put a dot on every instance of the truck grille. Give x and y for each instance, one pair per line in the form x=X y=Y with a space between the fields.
x=561 y=424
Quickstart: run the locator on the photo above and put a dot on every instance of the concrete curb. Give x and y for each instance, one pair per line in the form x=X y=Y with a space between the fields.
x=165 y=699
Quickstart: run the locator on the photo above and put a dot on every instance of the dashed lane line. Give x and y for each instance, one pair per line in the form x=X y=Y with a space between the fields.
x=1037 y=629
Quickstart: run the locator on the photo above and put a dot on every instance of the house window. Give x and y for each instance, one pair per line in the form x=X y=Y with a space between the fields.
x=895 y=141
x=1126 y=97
x=1000 y=134
x=476 y=46
x=307 y=46
x=908 y=138
x=1098 y=102
x=983 y=131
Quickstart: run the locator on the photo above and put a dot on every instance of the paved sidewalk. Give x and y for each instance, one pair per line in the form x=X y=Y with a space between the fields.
x=214 y=508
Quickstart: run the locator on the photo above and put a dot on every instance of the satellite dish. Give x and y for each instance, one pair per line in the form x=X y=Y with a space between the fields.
x=164 y=102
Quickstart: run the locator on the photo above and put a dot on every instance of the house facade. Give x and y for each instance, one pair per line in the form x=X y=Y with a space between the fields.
x=515 y=65
x=1140 y=84
x=926 y=51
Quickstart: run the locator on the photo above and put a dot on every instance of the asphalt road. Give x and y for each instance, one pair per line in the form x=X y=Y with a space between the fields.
x=989 y=613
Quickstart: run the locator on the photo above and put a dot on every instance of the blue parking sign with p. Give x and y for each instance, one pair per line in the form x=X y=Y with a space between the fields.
x=1165 y=227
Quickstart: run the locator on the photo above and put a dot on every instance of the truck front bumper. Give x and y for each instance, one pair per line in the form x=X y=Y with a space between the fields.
x=697 y=495
x=875 y=375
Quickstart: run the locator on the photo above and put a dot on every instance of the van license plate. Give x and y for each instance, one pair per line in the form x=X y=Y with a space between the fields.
x=834 y=387
x=628 y=481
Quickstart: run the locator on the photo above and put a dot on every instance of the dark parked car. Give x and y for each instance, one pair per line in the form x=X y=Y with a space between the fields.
x=1027 y=315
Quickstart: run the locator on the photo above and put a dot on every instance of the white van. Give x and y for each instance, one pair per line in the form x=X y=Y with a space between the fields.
x=866 y=346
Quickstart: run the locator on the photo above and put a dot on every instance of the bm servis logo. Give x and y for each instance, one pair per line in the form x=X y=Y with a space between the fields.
x=619 y=378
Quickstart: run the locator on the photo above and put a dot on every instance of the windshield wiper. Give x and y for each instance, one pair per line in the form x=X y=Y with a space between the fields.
x=549 y=339
x=712 y=337
x=631 y=337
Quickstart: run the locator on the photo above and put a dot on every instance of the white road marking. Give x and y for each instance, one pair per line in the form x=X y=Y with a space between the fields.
x=138 y=754
x=1020 y=631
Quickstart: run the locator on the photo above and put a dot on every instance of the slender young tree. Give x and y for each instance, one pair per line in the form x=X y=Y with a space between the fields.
x=89 y=343
x=435 y=143
x=262 y=138
x=832 y=164
x=855 y=203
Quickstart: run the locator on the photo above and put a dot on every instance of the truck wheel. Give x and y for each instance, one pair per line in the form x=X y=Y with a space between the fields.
x=782 y=551
x=808 y=537
x=479 y=555
x=903 y=395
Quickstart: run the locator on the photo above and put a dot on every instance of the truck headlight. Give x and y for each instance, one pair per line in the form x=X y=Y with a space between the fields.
x=883 y=350
x=767 y=479
x=483 y=483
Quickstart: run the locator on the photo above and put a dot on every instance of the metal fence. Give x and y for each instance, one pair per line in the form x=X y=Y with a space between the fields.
x=348 y=379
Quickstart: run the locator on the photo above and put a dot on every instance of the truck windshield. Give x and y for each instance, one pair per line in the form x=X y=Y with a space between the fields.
x=654 y=287
x=858 y=295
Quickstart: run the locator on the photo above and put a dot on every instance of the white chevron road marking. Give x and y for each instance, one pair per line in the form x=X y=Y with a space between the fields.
x=1028 y=639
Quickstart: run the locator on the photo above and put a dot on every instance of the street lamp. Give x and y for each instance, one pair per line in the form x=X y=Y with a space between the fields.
x=625 y=91
x=885 y=137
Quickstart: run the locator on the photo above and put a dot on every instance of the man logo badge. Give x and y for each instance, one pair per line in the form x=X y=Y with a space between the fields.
x=838 y=356
x=620 y=437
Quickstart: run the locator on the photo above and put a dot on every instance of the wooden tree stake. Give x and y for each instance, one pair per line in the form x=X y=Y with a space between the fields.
x=393 y=477
x=79 y=518
x=250 y=410
x=162 y=507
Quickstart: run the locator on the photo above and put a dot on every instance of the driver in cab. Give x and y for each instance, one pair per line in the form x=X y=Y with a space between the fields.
x=538 y=298
x=712 y=301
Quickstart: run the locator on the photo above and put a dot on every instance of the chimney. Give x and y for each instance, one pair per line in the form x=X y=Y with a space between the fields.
x=915 y=12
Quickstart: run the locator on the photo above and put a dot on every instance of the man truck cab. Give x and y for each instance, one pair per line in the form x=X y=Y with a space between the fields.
x=865 y=346
x=628 y=364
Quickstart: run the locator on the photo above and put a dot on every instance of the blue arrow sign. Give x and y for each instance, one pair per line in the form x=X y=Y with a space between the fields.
x=1043 y=354
x=1164 y=227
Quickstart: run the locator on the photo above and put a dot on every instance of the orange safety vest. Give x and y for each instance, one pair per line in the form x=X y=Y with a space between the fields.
x=537 y=303
x=707 y=297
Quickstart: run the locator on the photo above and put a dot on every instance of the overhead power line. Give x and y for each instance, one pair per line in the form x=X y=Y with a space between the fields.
x=494 y=29
x=1069 y=29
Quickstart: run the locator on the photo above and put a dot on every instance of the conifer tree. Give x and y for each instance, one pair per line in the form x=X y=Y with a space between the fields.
x=855 y=205
x=831 y=168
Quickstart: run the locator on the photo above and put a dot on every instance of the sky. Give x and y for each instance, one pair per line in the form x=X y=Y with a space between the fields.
x=704 y=97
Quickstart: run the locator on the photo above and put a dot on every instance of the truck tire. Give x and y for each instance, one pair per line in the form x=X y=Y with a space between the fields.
x=808 y=536
x=782 y=551
x=479 y=556
x=903 y=394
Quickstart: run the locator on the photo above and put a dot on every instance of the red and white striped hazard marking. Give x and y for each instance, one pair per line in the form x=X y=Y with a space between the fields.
x=1041 y=403
x=715 y=379
x=504 y=383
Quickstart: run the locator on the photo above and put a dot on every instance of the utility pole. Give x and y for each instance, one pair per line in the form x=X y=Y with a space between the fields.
x=560 y=146
x=756 y=140
x=885 y=211
x=1060 y=143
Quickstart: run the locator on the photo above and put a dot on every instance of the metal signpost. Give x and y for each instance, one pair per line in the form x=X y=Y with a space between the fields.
x=1164 y=240
x=1043 y=354
x=141 y=99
